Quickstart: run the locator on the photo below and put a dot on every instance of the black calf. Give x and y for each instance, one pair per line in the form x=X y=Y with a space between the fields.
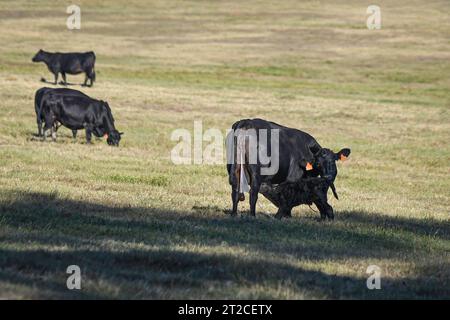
x=288 y=195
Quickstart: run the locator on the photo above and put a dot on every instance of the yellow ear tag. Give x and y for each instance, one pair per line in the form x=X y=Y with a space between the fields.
x=342 y=157
x=308 y=166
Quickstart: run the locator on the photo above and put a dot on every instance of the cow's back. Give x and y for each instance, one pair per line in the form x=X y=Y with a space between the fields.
x=295 y=148
x=77 y=62
x=71 y=107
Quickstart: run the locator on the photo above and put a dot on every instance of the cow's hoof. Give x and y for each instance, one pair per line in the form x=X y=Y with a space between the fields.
x=231 y=213
x=278 y=216
x=330 y=214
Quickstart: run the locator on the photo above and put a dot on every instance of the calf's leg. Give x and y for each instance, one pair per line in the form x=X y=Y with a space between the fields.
x=283 y=212
x=326 y=211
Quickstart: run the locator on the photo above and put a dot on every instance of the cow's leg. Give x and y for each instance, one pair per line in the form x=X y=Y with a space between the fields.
x=85 y=80
x=253 y=199
x=91 y=77
x=44 y=134
x=56 y=77
x=49 y=124
x=254 y=189
x=53 y=134
x=39 y=125
x=74 y=134
x=88 y=134
x=235 y=199
x=48 y=127
x=64 y=78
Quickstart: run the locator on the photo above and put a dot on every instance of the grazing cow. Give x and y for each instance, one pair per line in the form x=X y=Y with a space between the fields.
x=68 y=63
x=288 y=195
x=76 y=111
x=40 y=117
x=299 y=156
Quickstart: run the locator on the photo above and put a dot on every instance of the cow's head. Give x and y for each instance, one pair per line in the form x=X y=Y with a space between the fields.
x=114 y=138
x=39 y=56
x=325 y=164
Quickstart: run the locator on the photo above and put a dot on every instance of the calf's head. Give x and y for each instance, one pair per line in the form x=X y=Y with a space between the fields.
x=39 y=56
x=325 y=164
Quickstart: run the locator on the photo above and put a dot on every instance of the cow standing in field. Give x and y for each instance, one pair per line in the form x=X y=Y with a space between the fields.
x=298 y=156
x=68 y=63
x=76 y=111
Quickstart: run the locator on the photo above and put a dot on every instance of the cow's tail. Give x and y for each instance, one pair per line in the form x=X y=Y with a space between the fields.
x=37 y=108
x=235 y=166
x=93 y=74
x=240 y=167
x=41 y=115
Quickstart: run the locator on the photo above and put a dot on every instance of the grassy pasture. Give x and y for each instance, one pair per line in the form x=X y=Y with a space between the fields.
x=142 y=227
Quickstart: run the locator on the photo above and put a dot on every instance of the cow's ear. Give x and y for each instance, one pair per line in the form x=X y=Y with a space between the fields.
x=343 y=154
x=121 y=133
x=308 y=165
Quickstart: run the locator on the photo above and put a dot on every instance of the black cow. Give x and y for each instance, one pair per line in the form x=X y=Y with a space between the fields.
x=76 y=111
x=68 y=63
x=40 y=117
x=300 y=156
x=288 y=195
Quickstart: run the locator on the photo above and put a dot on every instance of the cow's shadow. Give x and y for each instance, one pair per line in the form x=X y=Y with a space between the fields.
x=61 y=83
x=145 y=252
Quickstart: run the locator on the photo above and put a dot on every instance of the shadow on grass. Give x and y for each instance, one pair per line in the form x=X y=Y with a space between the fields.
x=61 y=83
x=133 y=252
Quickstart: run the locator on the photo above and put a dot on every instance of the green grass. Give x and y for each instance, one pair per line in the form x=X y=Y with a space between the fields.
x=141 y=227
